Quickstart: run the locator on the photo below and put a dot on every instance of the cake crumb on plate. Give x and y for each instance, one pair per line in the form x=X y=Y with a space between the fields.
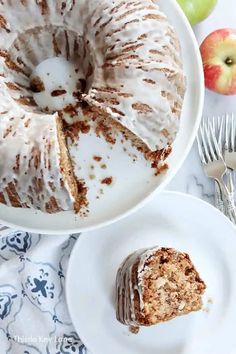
x=97 y=158
x=107 y=180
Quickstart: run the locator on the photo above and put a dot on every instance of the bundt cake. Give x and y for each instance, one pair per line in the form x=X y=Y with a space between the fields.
x=128 y=77
x=156 y=285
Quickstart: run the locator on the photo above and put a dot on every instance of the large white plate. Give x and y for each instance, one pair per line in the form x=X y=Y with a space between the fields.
x=172 y=220
x=134 y=183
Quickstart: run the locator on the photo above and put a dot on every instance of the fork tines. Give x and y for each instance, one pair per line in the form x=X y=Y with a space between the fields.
x=230 y=132
x=217 y=149
x=207 y=143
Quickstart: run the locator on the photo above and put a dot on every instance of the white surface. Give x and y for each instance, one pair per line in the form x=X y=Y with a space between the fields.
x=133 y=182
x=191 y=179
x=173 y=220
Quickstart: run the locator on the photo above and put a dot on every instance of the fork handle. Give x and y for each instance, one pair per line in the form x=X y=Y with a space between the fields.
x=228 y=202
x=232 y=215
x=219 y=202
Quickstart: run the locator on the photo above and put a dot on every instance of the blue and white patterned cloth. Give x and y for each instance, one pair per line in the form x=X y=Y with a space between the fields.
x=33 y=312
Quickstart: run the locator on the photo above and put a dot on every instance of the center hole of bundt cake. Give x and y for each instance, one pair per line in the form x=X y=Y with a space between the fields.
x=56 y=83
x=47 y=69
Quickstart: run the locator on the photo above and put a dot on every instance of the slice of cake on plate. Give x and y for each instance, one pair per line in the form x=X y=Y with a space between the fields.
x=156 y=285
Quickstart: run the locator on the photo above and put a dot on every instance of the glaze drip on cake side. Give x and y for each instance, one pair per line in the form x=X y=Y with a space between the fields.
x=125 y=286
x=130 y=76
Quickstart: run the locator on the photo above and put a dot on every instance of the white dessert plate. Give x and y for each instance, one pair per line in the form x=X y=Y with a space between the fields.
x=133 y=182
x=172 y=220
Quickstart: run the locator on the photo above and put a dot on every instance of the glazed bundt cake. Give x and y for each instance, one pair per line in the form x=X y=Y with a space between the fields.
x=156 y=285
x=128 y=77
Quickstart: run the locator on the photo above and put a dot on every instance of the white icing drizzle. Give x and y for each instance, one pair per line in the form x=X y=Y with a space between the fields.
x=125 y=288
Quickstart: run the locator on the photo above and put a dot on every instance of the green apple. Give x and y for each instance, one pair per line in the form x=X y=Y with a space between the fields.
x=197 y=10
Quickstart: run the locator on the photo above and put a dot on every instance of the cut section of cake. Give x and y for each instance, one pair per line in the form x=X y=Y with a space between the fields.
x=156 y=285
x=35 y=167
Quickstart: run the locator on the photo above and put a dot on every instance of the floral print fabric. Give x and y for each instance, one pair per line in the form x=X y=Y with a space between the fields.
x=33 y=313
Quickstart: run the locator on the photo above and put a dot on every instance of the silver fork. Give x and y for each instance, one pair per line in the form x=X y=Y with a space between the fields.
x=218 y=131
x=214 y=165
x=226 y=129
x=230 y=142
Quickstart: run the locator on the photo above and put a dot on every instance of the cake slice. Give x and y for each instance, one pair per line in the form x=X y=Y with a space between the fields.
x=156 y=285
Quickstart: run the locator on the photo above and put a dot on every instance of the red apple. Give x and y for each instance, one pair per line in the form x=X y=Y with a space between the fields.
x=218 y=52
